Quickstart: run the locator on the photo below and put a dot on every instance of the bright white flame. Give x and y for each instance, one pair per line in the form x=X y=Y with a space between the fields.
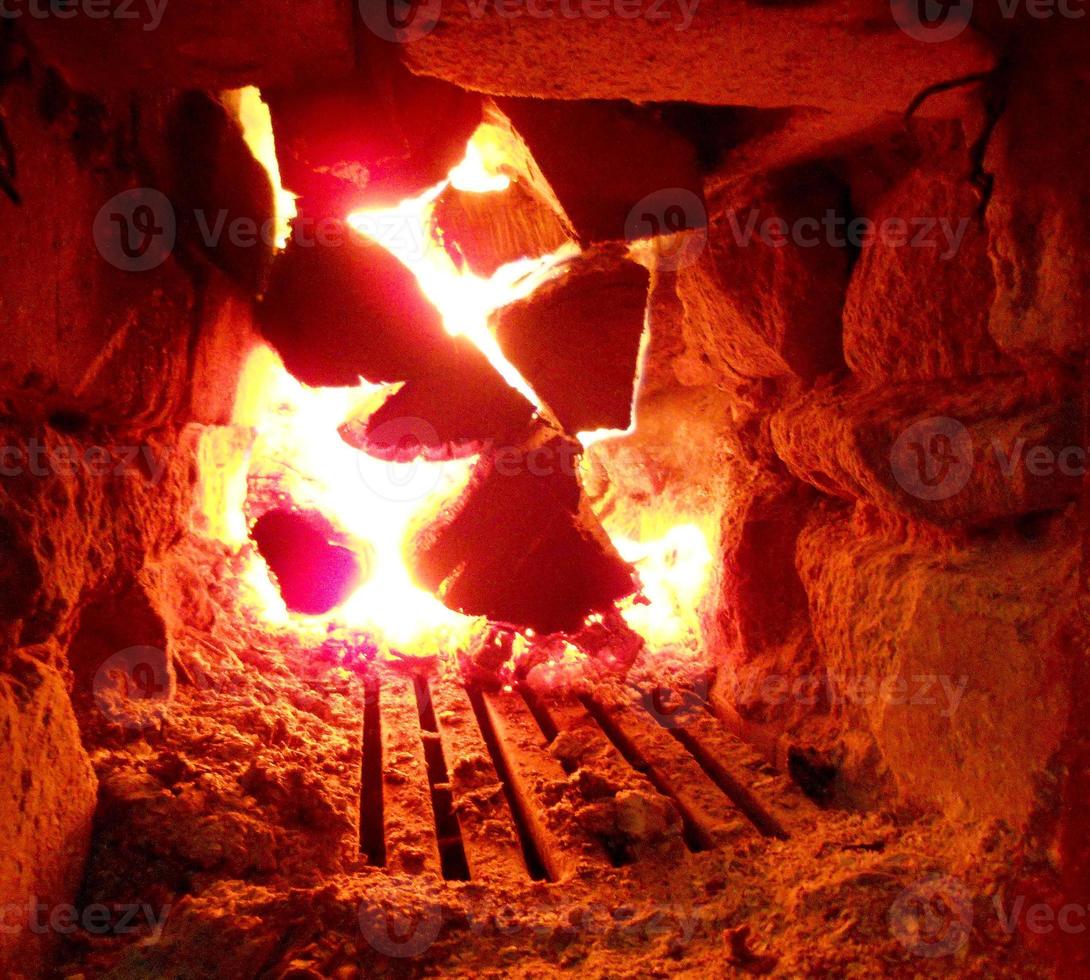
x=473 y=174
x=298 y=446
x=675 y=570
x=466 y=301
x=257 y=130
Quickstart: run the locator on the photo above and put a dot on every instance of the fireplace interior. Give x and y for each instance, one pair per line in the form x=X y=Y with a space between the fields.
x=492 y=491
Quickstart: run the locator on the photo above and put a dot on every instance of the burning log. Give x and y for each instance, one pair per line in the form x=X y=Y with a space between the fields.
x=598 y=160
x=446 y=416
x=222 y=194
x=339 y=306
x=521 y=545
x=576 y=340
x=314 y=574
x=380 y=137
x=486 y=231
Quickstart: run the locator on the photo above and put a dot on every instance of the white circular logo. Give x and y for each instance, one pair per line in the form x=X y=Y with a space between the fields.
x=932 y=20
x=132 y=688
x=669 y=706
x=401 y=21
x=933 y=458
x=678 y=221
x=135 y=230
x=407 y=476
x=932 y=918
x=401 y=932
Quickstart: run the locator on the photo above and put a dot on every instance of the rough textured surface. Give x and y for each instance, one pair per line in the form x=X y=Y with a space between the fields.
x=231 y=791
x=88 y=336
x=956 y=648
x=520 y=545
x=921 y=291
x=727 y=53
x=221 y=194
x=1039 y=206
x=763 y=603
x=602 y=162
x=198 y=45
x=485 y=231
x=994 y=448
x=576 y=340
x=760 y=302
x=47 y=802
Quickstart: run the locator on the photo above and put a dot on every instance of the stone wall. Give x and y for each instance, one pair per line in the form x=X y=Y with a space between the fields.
x=108 y=375
x=901 y=543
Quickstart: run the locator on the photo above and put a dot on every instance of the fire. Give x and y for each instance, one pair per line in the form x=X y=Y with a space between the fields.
x=297 y=447
x=298 y=450
x=257 y=129
x=465 y=300
x=675 y=568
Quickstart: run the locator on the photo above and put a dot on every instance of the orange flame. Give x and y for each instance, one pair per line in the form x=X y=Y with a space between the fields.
x=297 y=446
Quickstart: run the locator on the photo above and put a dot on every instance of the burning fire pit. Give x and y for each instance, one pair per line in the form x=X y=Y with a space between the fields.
x=487 y=494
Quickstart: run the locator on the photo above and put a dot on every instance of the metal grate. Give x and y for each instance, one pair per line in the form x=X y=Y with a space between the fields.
x=495 y=772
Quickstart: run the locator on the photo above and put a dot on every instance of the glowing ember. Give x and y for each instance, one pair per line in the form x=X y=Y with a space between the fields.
x=299 y=456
